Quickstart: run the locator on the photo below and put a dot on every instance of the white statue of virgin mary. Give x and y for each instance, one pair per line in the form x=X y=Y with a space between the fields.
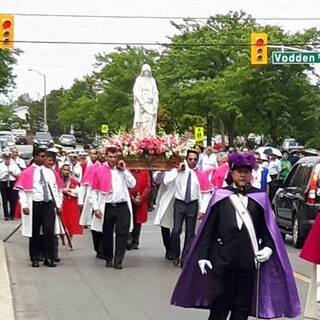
x=145 y=104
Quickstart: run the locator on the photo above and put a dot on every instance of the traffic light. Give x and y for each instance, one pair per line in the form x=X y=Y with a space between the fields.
x=259 y=48
x=6 y=31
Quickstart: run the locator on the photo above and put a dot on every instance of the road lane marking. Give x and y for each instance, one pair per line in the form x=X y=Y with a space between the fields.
x=301 y=277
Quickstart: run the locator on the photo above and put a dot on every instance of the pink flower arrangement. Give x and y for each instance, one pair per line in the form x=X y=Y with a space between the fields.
x=165 y=145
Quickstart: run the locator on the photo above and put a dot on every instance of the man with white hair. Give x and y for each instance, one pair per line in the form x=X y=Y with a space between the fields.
x=220 y=174
x=209 y=159
x=15 y=157
x=75 y=166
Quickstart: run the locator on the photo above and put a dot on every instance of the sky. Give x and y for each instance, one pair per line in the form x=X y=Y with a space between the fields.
x=63 y=63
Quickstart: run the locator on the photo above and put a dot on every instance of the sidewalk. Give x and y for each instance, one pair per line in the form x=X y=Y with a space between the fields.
x=6 y=300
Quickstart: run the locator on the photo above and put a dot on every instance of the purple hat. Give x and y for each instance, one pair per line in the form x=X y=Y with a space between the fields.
x=242 y=160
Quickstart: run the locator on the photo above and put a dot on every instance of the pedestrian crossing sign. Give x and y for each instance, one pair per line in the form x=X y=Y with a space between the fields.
x=104 y=128
x=199 y=134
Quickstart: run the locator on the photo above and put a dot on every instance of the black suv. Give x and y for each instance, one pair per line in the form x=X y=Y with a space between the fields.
x=297 y=201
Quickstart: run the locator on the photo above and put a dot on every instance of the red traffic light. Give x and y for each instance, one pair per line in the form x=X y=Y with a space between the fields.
x=6 y=24
x=259 y=42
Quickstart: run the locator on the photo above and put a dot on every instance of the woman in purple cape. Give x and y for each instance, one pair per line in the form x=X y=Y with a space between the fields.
x=237 y=237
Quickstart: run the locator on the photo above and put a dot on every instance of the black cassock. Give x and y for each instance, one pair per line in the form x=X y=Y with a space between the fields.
x=231 y=254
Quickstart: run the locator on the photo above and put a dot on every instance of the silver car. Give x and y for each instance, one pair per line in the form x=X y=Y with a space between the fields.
x=68 y=140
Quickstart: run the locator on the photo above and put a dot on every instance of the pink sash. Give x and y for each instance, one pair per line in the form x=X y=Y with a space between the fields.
x=101 y=179
x=25 y=180
x=204 y=183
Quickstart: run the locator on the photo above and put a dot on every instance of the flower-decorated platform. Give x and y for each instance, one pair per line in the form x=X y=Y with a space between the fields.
x=154 y=153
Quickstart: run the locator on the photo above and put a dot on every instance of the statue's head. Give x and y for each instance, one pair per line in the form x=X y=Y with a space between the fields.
x=146 y=71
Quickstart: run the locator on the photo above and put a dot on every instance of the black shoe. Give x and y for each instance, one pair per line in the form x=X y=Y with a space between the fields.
x=169 y=256
x=49 y=263
x=100 y=256
x=11 y=218
x=35 y=264
x=109 y=264
x=176 y=262
x=57 y=259
x=6 y=218
x=135 y=246
x=118 y=265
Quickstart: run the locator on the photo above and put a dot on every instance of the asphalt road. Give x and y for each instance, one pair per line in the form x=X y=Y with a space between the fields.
x=82 y=288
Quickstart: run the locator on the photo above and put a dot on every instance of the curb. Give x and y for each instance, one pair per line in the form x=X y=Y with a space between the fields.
x=6 y=300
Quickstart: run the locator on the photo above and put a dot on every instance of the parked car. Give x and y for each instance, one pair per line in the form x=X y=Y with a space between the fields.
x=297 y=200
x=20 y=135
x=7 y=139
x=68 y=140
x=42 y=138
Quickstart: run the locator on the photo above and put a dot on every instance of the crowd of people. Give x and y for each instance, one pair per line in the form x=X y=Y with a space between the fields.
x=219 y=199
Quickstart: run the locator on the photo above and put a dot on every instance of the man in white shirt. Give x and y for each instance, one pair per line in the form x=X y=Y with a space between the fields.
x=191 y=200
x=15 y=156
x=260 y=175
x=38 y=198
x=164 y=209
x=114 y=208
x=209 y=159
x=274 y=171
x=75 y=166
x=96 y=160
x=9 y=171
x=274 y=166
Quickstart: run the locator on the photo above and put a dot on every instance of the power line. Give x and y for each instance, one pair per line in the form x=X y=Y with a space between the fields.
x=168 y=44
x=136 y=17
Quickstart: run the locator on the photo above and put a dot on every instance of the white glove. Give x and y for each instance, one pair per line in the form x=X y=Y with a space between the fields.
x=264 y=254
x=203 y=264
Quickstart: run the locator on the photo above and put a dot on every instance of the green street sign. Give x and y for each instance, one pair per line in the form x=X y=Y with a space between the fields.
x=293 y=57
x=104 y=128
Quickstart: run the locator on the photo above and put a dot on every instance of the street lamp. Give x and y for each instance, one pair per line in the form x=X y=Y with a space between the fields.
x=45 y=125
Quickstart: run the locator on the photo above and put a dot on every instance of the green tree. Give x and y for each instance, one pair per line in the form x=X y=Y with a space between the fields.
x=218 y=77
x=8 y=120
x=8 y=58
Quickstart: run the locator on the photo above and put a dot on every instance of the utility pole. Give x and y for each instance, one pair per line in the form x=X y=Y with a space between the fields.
x=45 y=123
x=209 y=128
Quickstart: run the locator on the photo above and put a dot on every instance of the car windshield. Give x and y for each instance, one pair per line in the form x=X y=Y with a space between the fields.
x=5 y=137
x=67 y=136
x=43 y=135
